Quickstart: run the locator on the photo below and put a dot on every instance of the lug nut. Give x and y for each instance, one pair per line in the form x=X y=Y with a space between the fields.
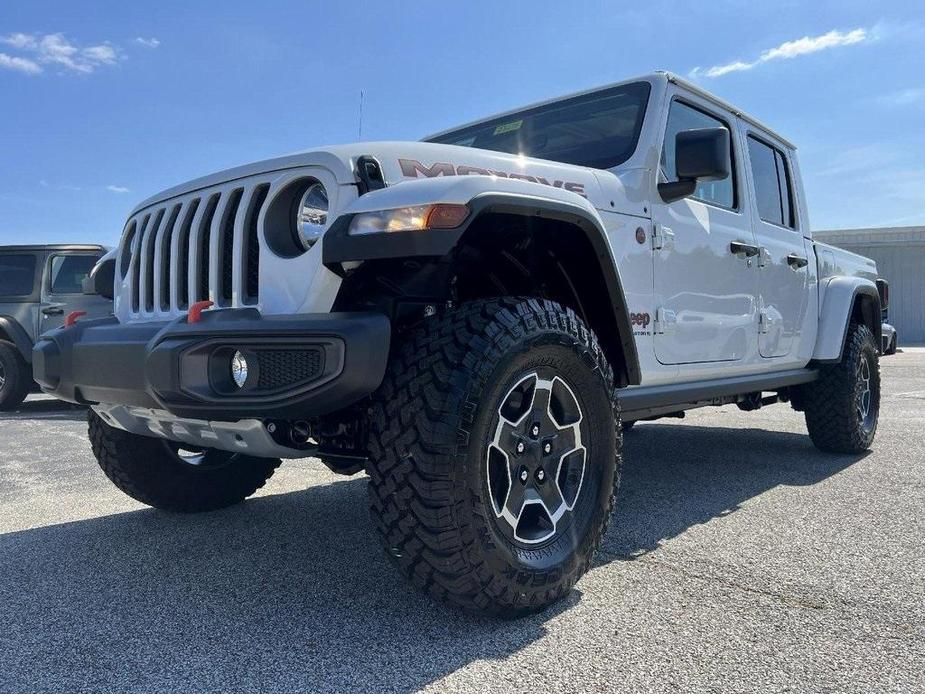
x=540 y=476
x=535 y=431
x=521 y=447
x=547 y=448
x=524 y=475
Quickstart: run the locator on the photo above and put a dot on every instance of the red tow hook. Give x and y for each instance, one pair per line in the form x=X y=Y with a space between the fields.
x=72 y=317
x=195 y=311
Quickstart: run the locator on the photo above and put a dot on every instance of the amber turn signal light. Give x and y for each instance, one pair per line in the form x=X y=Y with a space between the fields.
x=446 y=216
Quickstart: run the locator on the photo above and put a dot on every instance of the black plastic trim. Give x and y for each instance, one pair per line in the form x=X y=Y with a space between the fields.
x=166 y=365
x=18 y=335
x=102 y=279
x=369 y=174
x=340 y=247
x=649 y=397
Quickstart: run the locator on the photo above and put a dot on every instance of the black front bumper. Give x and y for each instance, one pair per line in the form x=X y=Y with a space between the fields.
x=299 y=366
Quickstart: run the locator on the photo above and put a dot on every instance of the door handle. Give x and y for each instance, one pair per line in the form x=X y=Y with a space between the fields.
x=796 y=261
x=52 y=311
x=741 y=248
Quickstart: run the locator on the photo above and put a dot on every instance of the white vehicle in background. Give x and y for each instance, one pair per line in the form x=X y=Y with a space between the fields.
x=890 y=338
x=467 y=318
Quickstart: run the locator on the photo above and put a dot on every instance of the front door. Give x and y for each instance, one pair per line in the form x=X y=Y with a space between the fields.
x=705 y=257
x=784 y=258
x=62 y=289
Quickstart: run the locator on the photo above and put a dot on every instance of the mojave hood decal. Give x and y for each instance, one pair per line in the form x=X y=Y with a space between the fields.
x=411 y=168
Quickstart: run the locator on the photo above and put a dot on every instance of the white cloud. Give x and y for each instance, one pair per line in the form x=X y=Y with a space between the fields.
x=103 y=54
x=10 y=62
x=904 y=97
x=117 y=189
x=814 y=44
x=56 y=50
x=720 y=70
x=789 y=50
x=842 y=161
x=147 y=43
x=19 y=40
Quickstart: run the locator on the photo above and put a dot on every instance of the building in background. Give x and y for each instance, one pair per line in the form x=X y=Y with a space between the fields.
x=900 y=256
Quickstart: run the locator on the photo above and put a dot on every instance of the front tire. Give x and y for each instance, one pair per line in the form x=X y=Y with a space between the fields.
x=495 y=451
x=162 y=474
x=15 y=377
x=842 y=407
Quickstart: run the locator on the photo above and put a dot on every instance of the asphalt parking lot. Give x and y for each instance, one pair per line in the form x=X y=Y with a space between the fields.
x=739 y=559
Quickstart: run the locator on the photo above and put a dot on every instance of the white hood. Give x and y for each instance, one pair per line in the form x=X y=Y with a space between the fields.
x=402 y=161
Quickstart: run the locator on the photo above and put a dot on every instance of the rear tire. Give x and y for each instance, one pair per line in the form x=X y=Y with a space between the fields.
x=842 y=407
x=158 y=473
x=15 y=377
x=459 y=397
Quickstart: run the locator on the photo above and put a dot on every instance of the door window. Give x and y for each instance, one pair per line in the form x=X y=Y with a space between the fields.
x=17 y=273
x=69 y=271
x=773 y=188
x=683 y=117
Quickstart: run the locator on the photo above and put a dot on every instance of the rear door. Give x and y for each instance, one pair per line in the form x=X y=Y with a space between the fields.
x=705 y=282
x=19 y=295
x=783 y=263
x=62 y=288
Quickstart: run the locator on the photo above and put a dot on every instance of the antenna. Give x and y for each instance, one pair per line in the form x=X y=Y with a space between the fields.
x=360 y=126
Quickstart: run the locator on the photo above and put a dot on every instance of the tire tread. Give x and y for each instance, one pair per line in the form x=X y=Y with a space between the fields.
x=829 y=401
x=422 y=419
x=141 y=467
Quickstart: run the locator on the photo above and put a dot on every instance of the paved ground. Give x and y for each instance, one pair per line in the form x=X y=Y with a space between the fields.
x=740 y=559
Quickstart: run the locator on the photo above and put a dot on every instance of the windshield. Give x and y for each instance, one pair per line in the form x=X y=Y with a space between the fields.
x=599 y=130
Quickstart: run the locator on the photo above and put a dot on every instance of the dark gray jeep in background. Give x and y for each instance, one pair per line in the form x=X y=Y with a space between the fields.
x=39 y=287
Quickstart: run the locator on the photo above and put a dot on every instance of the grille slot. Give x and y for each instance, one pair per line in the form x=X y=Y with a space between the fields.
x=147 y=260
x=252 y=255
x=166 y=241
x=136 y=264
x=198 y=247
x=288 y=368
x=183 y=254
x=227 y=249
x=125 y=258
x=205 y=245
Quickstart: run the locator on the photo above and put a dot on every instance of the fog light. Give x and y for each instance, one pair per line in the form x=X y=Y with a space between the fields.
x=239 y=369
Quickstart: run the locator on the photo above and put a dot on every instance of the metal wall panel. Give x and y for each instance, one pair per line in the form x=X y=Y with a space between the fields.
x=900 y=257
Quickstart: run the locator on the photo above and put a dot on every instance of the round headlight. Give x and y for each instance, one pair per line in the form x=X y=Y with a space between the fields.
x=312 y=215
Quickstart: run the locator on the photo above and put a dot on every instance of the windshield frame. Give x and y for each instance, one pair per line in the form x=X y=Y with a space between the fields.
x=611 y=162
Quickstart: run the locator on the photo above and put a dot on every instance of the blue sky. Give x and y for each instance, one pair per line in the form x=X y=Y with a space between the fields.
x=105 y=103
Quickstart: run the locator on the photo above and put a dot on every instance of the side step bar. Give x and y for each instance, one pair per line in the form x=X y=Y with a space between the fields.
x=649 y=400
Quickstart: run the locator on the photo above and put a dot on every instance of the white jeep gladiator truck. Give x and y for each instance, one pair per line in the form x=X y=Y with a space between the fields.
x=466 y=319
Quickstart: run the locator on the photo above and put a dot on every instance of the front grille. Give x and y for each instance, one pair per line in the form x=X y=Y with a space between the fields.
x=203 y=246
x=288 y=368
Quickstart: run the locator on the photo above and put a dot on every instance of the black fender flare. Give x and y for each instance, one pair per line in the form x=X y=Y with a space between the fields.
x=339 y=247
x=19 y=337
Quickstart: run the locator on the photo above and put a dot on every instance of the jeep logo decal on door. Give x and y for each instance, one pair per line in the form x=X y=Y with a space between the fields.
x=415 y=169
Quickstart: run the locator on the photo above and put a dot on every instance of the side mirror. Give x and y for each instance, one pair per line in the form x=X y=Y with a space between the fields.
x=102 y=278
x=700 y=155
